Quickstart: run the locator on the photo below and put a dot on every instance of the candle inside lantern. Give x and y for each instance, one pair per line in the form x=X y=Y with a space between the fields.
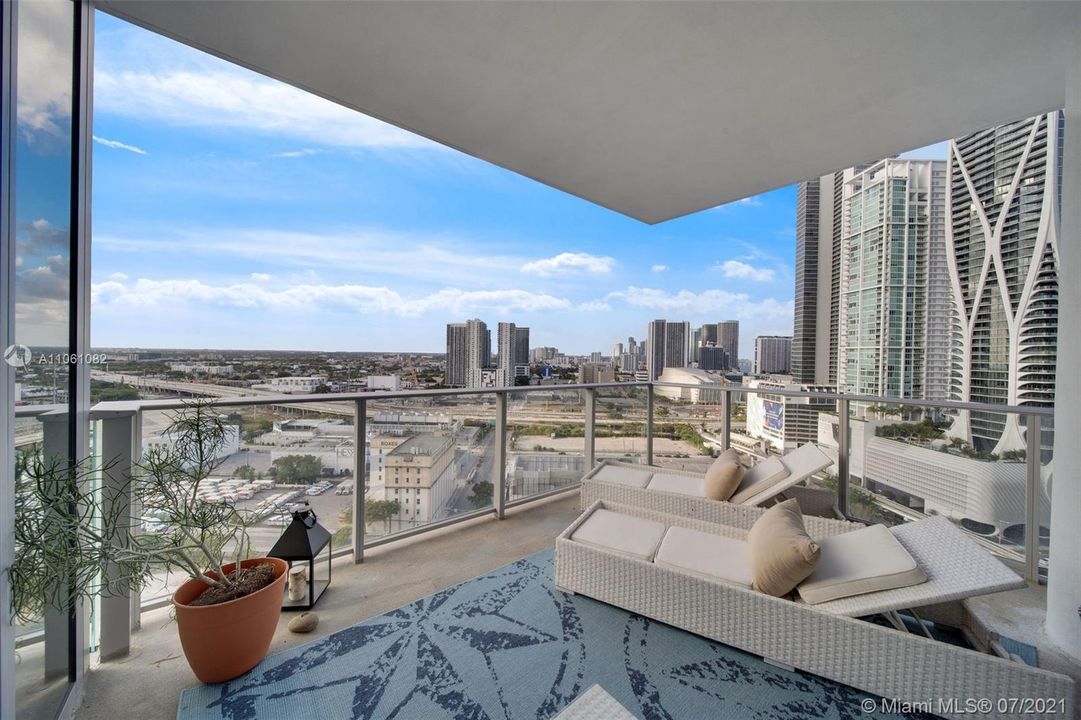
x=298 y=580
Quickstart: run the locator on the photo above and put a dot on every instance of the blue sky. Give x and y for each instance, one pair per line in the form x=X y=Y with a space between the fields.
x=233 y=211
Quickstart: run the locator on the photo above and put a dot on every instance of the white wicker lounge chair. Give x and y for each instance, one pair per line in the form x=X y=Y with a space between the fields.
x=825 y=639
x=679 y=492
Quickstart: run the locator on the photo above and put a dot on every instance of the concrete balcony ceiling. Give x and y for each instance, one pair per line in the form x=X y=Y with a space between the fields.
x=654 y=110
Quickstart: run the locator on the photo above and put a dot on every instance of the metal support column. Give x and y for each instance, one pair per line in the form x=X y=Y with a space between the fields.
x=1032 y=499
x=649 y=424
x=119 y=457
x=499 y=493
x=360 y=477
x=726 y=419
x=590 y=433
x=843 y=441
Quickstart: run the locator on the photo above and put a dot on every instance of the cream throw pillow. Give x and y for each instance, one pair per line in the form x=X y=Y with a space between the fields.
x=722 y=479
x=782 y=553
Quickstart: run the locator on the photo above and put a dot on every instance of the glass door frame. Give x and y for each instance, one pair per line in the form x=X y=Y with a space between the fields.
x=78 y=320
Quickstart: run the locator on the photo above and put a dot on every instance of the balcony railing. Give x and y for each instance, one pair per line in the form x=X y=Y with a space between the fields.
x=893 y=460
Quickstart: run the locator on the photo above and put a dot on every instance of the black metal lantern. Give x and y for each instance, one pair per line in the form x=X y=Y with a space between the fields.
x=303 y=545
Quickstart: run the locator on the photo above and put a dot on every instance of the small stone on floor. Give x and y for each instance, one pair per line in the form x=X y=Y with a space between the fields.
x=304 y=623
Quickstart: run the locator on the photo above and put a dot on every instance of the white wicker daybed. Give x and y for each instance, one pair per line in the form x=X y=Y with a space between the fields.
x=680 y=492
x=825 y=639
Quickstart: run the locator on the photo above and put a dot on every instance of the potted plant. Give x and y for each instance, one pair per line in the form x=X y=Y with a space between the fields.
x=75 y=542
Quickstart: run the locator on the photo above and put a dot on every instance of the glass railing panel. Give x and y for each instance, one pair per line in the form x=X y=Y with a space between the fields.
x=429 y=459
x=306 y=456
x=546 y=443
x=621 y=423
x=687 y=430
x=907 y=462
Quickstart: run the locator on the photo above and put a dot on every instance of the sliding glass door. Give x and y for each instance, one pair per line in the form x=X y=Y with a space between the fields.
x=44 y=315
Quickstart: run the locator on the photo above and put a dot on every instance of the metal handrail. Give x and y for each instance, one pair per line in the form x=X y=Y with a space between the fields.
x=171 y=404
x=357 y=404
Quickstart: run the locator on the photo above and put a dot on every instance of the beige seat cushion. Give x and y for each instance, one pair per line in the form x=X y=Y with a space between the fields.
x=674 y=483
x=722 y=479
x=621 y=475
x=858 y=562
x=760 y=478
x=714 y=557
x=782 y=553
x=621 y=533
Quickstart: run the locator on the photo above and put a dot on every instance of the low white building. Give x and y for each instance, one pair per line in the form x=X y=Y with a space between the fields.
x=531 y=474
x=293 y=385
x=707 y=385
x=984 y=496
x=385 y=382
x=230 y=443
x=783 y=422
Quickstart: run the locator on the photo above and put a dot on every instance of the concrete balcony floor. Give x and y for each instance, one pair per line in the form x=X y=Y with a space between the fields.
x=147 y=683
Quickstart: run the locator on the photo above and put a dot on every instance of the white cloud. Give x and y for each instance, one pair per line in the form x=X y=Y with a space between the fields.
x=313 y=298
x=708 y=303
x=435 y=258
x=44 y=97
x=659 y=268
x=116 y=144
x=594 y=306
x=569 y=262
x=118 y=276
x=239 y=100
x=743 y=271
x=753 y=201
x=304 y=152
x=261 y=277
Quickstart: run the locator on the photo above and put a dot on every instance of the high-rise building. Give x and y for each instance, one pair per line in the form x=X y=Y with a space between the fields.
x=521 y=346
x=893 y=279
x=712 y=357
x=468 y=352
x=1004 y=195
x=677 y=344
x=728 y=338
x=696 y=343
x=669 y=345
x=772 y=354
x=655 y=357
x=808 y=214
x=632 y=346
x=457 y=354
x=506 y=353
x=478 y=352
x=819 y=220
x=709 y=334
x=617 y=350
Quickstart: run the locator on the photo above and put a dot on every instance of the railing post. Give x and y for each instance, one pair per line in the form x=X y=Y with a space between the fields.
x=842 y=455
x=1032 y=500
x=649 y=424
x=54 y=446
x=726 y=419
x=360 y=479
x=499 y=496
x=120 y=444
x=590 y=433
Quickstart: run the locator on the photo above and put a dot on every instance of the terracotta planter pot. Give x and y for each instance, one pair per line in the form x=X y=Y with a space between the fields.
x=225 y=641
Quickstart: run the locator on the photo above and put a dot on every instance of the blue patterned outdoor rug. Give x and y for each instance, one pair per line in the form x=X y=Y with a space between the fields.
x=509 y=646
